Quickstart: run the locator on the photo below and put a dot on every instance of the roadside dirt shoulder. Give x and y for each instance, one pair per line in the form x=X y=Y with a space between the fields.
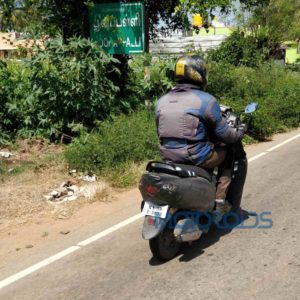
x=44 y=233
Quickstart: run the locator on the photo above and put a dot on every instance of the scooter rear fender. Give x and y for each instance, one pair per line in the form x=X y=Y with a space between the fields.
x=153 y=226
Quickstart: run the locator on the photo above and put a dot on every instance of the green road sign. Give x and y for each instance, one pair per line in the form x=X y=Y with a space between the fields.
x=119 y=28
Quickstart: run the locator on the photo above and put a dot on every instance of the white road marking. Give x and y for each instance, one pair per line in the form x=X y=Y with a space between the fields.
x=60 y=255
x=283 y=143
x=37 y=266
x=257 y=156
x=109 y=230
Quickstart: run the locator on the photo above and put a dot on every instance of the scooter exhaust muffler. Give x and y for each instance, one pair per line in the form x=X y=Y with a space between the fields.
x=186 y=231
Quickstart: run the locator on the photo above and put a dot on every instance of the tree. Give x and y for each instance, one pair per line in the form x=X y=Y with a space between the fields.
x=71 y=16
x=274 y=21
x=19 y=15
x=205 y=8
x=163 y=11
x=10 y=15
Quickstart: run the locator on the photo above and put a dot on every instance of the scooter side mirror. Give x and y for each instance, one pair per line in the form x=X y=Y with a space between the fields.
x=250 y=108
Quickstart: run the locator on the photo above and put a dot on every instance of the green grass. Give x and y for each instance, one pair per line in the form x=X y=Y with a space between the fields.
x=8 y=169
x=125 y=175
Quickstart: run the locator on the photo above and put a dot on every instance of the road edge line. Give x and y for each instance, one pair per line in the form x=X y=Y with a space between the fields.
x=39 y=265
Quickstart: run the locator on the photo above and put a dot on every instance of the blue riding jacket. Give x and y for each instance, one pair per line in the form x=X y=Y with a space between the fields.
x=185 y=117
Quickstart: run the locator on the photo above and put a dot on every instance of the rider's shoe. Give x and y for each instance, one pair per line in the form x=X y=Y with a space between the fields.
x=243 y=214
x=222 y=207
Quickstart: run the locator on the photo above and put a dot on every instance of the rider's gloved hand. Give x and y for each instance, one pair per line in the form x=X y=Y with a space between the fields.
x=242 y=128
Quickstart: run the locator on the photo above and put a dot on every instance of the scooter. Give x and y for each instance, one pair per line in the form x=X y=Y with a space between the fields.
x=179 y=200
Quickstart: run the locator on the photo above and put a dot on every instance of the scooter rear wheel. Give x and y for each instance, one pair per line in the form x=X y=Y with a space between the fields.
x=164 y=246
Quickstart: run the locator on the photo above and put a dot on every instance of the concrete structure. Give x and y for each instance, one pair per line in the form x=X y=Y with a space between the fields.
x=216 y=28
x=12 y=45
x=7 y=45
x=179 y=41
x=180 y=44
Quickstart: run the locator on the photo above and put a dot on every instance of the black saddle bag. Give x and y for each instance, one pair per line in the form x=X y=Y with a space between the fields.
x=178 y=187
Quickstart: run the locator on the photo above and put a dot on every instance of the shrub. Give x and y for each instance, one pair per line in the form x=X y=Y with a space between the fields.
x=156 y=82
x=70 y=83
x=117 y=141
x=124 y=140
x=220 y=80
x=295 y=66
x=60 y=86
x=68 y=87
x=238 y=49
x=15 y=105
x=275 y=89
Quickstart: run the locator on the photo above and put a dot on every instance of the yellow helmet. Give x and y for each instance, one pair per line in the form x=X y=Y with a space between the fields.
x=191 y=69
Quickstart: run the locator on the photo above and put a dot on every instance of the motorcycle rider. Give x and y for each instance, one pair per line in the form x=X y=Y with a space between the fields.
x=190 y=126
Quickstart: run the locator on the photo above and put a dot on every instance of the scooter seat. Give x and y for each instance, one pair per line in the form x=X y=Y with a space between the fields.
x=180 y=170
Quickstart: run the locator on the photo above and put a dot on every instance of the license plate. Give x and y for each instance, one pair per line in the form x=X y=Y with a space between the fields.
x=155 y=210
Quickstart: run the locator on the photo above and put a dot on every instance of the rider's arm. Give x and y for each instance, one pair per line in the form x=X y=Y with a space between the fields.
x=157 y=117
x=222 y=131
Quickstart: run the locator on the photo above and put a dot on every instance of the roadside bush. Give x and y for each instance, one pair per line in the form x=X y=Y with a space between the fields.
x=15 y=106
x=115 y=142
x=275 y=89
x=70 y=83
x=60 y=86
x=294 y=67
x=69 y=88
x=238 y=49
x=152 y=82
x=220 y=80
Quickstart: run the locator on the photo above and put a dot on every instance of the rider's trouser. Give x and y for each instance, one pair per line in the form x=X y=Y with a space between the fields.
x=220 y=157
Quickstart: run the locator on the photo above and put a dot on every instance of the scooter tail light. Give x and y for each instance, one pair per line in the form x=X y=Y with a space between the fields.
x=151 y=220
x=151 y=190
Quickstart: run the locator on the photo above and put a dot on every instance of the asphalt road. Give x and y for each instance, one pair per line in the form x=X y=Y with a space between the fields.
x=239 y=264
